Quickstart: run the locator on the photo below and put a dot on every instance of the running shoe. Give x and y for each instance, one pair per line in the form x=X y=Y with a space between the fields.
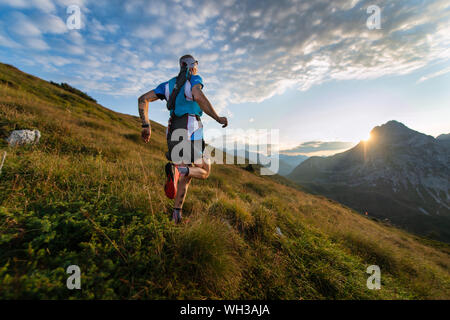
x=172 y=180
x=176 y=216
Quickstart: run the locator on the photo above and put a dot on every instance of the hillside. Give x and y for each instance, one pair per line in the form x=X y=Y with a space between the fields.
x=90 y=194
x=399 y=174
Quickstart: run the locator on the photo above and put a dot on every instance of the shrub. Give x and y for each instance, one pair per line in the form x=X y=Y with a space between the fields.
x=71 y=89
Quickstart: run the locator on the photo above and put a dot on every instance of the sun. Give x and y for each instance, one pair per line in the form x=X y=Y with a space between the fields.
x=368 y=138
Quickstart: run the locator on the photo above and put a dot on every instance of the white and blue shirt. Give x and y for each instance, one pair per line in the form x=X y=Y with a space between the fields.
x=184 y=103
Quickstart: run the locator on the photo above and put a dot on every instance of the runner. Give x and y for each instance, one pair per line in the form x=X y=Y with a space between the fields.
x=186 y=103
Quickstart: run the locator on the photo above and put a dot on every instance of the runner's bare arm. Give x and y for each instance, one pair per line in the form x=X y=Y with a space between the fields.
x=143 y=113
x=206 y=106
x=143 y=105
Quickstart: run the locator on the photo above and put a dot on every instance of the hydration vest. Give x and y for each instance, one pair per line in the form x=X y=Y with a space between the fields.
x=179 y=97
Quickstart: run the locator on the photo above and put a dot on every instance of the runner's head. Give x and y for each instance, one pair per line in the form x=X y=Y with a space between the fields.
x=189 y=61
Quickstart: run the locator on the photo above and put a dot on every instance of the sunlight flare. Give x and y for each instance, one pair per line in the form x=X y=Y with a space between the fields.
x=367 y=139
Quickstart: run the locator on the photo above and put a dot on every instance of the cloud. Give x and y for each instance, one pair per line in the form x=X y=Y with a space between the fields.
x=35 y=43
x=248 y=50
x=434 y=75
x=50 y=23
x=26 y=32
x=43 y=5
x=14 y=3
x=22 y=26
x=319 y=148
x=149 y=32
x=97 y=27
x=65 y=3
x=5 y=40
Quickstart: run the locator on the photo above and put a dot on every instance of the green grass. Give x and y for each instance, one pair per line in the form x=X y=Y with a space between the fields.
x=90 y=194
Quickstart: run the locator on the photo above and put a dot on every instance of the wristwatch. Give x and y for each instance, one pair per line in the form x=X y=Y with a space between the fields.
x=147 y=125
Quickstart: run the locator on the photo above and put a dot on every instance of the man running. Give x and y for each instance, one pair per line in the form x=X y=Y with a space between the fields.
x=186 y=103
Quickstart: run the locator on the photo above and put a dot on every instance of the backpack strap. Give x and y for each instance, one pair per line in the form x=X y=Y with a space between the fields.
x=181 y=79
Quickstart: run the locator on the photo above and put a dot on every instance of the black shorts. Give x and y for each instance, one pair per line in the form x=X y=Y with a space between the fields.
x=185 y=139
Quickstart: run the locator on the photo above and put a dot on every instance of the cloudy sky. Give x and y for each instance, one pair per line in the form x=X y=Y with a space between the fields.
x=311 y=68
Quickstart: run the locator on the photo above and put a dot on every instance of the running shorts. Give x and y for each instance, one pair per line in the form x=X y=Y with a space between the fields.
x=185 y=139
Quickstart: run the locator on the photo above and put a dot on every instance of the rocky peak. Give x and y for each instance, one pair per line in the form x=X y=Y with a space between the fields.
x=394 y=133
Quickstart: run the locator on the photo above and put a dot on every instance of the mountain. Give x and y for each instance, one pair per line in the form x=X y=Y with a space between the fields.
x=443 y=137
x=399 y=174
x=286 y=163
x=91 y=194
x=290 y=162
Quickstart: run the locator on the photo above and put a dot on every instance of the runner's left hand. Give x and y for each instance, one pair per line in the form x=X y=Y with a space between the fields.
x=224 y=121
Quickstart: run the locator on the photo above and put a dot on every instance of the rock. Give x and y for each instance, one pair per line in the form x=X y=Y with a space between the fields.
x=21 y=137
x=278 y=230
x=2 y=162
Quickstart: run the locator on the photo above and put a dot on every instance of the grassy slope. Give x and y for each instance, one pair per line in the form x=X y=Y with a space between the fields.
x=91 y=194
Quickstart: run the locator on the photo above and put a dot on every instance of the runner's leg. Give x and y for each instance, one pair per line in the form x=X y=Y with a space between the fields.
x=183 y=185
x=200 y=171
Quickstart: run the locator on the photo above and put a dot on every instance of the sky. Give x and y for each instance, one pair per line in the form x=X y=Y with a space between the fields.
x=311 y=68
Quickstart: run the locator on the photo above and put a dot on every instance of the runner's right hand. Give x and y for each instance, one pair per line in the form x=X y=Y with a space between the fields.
x=145 y=134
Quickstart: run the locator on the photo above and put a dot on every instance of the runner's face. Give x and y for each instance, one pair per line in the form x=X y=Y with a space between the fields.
x=194 y=70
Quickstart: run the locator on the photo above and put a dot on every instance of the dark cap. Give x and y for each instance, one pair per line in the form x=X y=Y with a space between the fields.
x=188 y=60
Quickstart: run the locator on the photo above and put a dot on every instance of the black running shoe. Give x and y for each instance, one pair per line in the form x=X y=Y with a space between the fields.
x=176 y=216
